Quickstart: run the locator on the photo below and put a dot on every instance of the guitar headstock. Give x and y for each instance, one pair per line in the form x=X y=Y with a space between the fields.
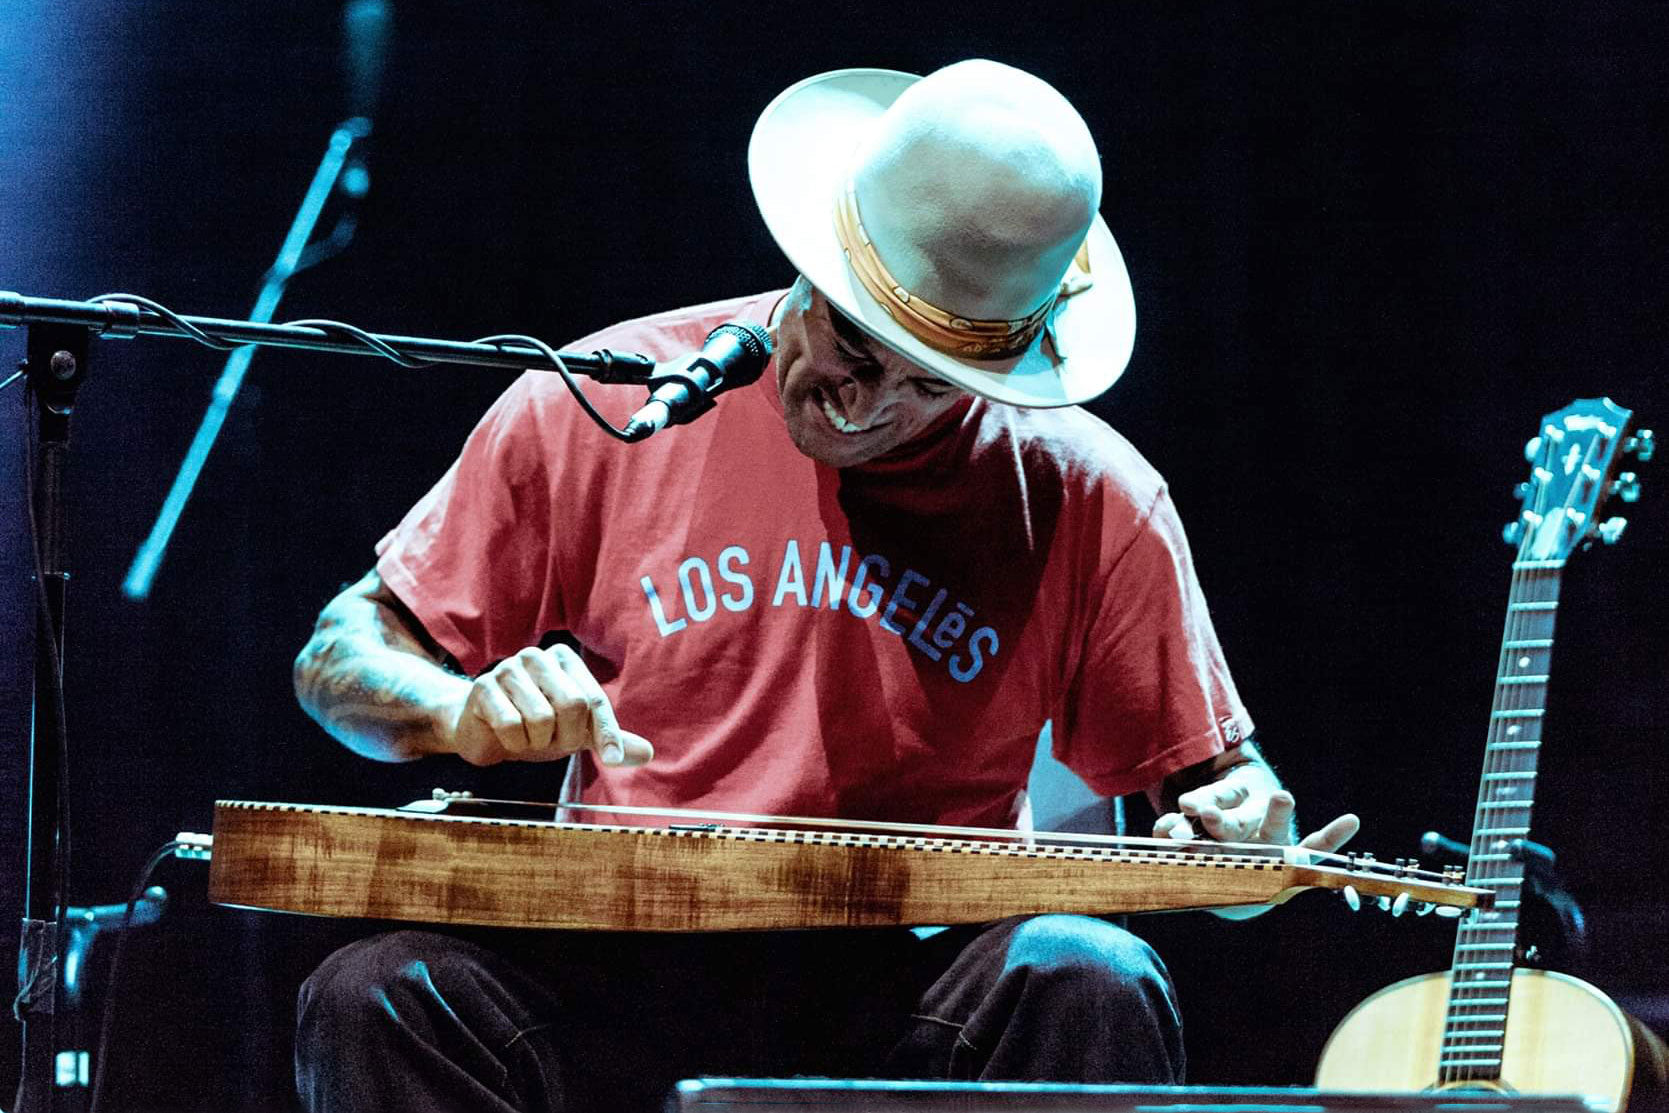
x=1574 y=463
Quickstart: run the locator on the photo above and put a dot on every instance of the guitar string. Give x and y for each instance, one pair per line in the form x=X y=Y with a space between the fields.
x=1455 y=1061
x=1541 y=582
x=1298 y=856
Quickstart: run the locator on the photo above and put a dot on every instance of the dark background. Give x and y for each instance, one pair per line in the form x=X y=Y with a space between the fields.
x=1372 y=243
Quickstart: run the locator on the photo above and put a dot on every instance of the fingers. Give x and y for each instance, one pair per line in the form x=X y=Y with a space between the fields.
x=1334 y=835
x=1258 y=819
x=1225 y=811
x=613 y=745
x=1277 y=819
x=544 y=699
x=1217 y=795
x=542 y=704
x=1230 y=813
x=1174 y=825
x=634 y=750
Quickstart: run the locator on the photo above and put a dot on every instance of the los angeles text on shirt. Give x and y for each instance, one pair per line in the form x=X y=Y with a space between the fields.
x=938 y=630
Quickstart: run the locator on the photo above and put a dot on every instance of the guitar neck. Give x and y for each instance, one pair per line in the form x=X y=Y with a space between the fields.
x=1474 y=1030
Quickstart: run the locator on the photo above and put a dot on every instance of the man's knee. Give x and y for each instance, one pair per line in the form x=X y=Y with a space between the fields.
x=385 y=977
x=1083 y=955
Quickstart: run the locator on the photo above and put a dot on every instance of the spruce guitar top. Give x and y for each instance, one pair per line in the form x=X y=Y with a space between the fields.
x=1486 y=1024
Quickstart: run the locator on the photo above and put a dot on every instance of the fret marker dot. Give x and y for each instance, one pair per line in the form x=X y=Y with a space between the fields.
x=1513 y=729
x=1524 y=662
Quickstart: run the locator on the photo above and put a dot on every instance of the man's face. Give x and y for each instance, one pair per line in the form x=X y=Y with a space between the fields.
x=847 y=398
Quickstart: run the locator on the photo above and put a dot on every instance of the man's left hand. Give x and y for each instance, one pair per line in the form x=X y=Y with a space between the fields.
x=1246 y=804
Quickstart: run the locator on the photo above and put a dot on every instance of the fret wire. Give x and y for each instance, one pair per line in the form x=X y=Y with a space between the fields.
x=1511 y=754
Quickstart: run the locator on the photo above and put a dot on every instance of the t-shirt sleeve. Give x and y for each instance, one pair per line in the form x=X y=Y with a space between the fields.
x=472 y=558
x=1153 y=693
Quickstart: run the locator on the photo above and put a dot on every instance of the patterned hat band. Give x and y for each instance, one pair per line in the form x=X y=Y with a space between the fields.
x=938 y=329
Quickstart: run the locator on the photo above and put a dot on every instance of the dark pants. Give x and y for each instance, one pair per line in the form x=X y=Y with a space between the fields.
x=583 y=1022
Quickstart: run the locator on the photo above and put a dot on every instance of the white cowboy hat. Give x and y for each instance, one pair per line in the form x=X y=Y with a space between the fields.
x=942 y=214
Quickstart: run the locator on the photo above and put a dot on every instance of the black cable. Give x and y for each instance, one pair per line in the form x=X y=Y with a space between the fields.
x=381 y=348
x=171 y=317
x=567 y=376
x=106 y=1024
x=60 y=738
x=354 y=332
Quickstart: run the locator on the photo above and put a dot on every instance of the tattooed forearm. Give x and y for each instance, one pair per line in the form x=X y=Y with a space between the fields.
x=372 y=678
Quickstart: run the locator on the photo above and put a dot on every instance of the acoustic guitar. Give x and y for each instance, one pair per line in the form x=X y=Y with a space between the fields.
x=1486 y=1023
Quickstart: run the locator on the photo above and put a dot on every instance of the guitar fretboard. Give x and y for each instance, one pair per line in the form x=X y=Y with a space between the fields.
x=1475 y=1026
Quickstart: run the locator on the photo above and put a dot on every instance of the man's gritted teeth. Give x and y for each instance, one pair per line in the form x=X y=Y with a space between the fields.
x=832 y=411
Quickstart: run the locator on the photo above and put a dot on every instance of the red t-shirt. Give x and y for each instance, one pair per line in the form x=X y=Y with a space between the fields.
x=880 y=642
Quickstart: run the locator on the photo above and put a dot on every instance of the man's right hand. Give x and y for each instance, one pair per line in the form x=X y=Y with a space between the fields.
x=541 y=705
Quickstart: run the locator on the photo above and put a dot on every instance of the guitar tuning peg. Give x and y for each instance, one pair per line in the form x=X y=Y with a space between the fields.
x=1611 y=530
x=1424 y=908
x=1400 y=905
x=1448 y=911
x=1642 y=444
x=1512 y=533
x=1522 y=491
x=1626 y=487
x=1384 y=904
x=1352 y=898
x=1532 y=449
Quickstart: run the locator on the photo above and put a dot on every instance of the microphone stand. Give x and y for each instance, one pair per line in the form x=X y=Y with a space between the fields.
x=56 y=366
x=124 y=316
x=59 y=337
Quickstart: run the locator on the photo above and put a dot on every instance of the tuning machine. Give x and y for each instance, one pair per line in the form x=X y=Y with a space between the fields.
x=1395 y=906
x=1610 y=531
x=1642 y=444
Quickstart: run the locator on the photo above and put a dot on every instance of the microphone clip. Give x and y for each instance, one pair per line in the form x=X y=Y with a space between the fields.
x=733 y=355
x=704 y=380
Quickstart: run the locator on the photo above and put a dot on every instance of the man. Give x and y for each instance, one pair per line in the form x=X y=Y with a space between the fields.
x=857 y=588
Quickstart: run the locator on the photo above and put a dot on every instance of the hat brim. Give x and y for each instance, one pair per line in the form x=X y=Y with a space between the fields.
x=802 y=152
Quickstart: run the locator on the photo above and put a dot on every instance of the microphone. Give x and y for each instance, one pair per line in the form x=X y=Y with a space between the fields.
x=734 y=355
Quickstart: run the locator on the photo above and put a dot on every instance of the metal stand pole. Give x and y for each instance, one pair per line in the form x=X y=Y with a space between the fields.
x=56 y=366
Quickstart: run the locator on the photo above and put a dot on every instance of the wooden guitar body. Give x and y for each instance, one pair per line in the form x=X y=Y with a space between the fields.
x=402 y=865
x=1563 y=1036
x=1487 y=1025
